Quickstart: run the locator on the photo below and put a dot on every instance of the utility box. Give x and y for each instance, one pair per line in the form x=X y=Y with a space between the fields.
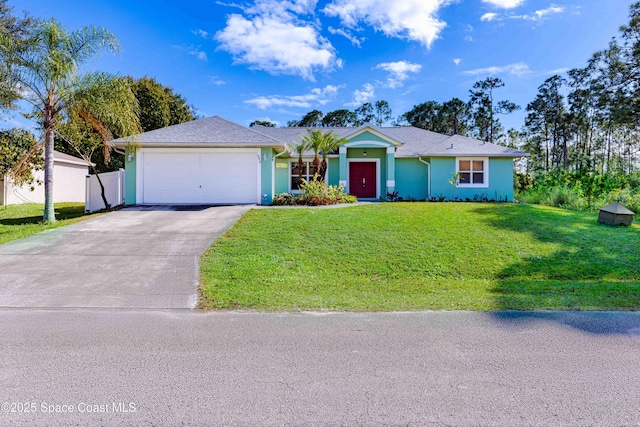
x=615 y=214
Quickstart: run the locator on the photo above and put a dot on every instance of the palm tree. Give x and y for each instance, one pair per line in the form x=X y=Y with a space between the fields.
x=299 y=149
x=330 y=143
x=314 y=140
x=42 y=69
x=325 y=142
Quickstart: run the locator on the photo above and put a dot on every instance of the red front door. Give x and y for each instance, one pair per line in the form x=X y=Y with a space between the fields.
x=362 y=179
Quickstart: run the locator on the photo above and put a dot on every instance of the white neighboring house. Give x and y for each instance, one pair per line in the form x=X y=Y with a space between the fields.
x=69 y=183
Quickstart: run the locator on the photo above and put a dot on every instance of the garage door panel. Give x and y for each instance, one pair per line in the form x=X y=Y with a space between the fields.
x=200 y=177
x=229 y=178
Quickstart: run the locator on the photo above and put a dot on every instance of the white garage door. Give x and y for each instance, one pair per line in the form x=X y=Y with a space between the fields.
x=199 y=177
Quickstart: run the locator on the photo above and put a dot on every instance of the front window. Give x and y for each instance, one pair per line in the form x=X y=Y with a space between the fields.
x=307 y=171
x=473 y=172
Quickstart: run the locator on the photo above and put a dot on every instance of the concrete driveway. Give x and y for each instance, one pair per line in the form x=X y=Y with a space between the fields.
x=140 y=257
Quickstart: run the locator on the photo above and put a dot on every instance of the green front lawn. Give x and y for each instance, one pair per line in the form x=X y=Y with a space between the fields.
x=416 y=256
x=18 y=221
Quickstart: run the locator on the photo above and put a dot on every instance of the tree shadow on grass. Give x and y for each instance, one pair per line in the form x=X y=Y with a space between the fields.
x=583 y=265
x=62 y=213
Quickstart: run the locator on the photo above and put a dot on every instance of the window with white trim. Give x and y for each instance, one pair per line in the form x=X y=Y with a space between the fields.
x=308 y=171
x=473 y=171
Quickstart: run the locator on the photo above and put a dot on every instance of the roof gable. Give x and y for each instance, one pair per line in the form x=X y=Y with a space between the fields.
x=370 y=132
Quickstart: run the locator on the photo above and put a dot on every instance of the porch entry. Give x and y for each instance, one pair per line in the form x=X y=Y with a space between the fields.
x=362 y=179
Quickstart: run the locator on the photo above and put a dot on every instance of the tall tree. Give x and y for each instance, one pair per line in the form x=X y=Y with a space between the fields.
x=312 y=119
x=339 y=118
x=424 y=116
x=546 y=118
x=17 y=29
x=485 y=109
x=365 y=114
x=43 y=70
x=454 y=117
x=160 y=106
x=382 y=112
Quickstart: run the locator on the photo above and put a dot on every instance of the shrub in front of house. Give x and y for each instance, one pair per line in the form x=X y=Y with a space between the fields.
x=315 y=193
x=284 y=199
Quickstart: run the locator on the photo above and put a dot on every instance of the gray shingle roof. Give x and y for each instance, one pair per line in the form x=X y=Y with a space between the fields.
x=210 y=132
x=218 y=132
x=458 y=145
x=617 y=208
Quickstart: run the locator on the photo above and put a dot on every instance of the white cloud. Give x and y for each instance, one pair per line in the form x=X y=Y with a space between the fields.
x=517 y=69
x=201 y=33
x=406 y=19
x=217 y=81
x=556 y=71
x=468 y=38
x=488 y=17
x=541 y=14
x=504 y=4
x=457 y=61
x=353 y=39
x=274 y=39
x=399 y=72
x=317 y=96
x=360 y=96
x=200 y=54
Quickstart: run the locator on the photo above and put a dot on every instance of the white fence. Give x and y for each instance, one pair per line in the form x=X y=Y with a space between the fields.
x=113 y=189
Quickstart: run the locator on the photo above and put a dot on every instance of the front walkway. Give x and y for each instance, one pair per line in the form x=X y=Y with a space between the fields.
x=139 y=257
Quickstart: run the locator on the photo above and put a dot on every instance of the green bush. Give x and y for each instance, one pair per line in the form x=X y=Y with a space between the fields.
x=583 y=191
x=284 y=199
x=315 y=193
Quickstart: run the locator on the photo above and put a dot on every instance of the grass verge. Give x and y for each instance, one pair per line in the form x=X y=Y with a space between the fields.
x=416 y=256
x=18 y=221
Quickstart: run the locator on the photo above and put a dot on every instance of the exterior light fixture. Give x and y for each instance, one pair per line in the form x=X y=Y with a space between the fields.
x=364 y=153
x=130 y=156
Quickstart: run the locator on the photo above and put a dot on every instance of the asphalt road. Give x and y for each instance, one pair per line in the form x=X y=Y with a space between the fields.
x=226 y=368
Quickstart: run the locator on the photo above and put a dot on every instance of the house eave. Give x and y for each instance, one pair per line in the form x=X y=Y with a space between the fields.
x=198 y=145
x=476 y=154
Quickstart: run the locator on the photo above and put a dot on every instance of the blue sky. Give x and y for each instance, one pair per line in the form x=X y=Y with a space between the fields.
x=277 y=60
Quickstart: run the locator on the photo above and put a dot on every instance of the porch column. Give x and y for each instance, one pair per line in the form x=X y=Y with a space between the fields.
x=391 y=169
x=343 y=167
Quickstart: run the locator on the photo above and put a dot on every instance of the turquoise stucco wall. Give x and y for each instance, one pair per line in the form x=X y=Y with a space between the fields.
x=333 y=174
x=129 y=180
x=266 y=175
x=500 y=180
x=282 y=175
x=368 y=136
x=411 y=178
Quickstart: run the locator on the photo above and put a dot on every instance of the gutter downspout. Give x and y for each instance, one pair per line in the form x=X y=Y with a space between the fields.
x=273 y=171
x=428 y=176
